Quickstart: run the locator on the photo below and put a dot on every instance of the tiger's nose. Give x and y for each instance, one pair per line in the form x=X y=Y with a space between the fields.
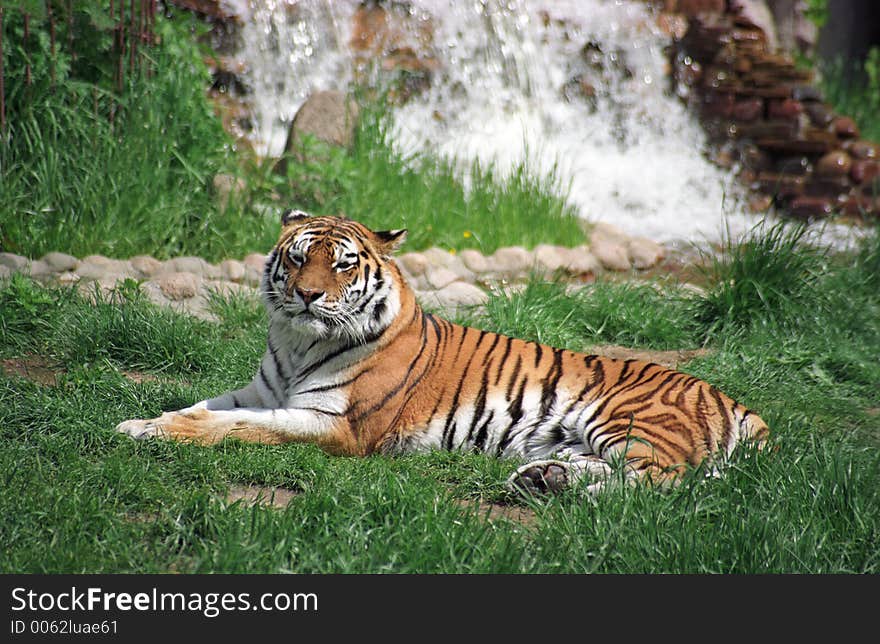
x=308 y=295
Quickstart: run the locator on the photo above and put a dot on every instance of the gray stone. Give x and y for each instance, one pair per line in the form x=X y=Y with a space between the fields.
x=147 y=266
x=256 y=261
x=439 y=257
x=582 y=262
x=5 y=272
x=440 y=277
x=611 y=254
x=475 y=261
x=68 y=277
x=413 y=263
x=40 y=269
x=552 y=258
x=60 y=262
x=514 y=261
x=454 y=298
x=194 y=265
x=94 y=267
x=329 y=116
x=14 y=262
x=179 y=286
x=232 y=270
x=644 y=253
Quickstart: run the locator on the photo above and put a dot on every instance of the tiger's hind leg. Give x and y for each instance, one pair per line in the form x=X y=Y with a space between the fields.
x=553 y=476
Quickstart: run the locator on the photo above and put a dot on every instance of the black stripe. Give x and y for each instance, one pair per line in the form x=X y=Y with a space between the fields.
x=539 y=352
x=510 y=385
x=480 y=405
x=269 y=386
x=548 y=385
x=503 y=360
x=480 y=441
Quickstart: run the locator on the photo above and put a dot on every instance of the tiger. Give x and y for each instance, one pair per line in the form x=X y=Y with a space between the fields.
x=354 y=365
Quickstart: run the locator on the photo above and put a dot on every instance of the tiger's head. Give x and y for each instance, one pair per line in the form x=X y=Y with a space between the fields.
x=331 y=277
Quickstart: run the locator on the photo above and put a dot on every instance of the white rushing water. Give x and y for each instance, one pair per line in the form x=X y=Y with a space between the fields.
x=631 y=155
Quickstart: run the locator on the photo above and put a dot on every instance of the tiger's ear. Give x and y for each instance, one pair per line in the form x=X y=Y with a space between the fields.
x=389 y=240
x=290 y=216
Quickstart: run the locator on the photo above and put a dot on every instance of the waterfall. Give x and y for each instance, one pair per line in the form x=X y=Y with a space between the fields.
x=575 y=89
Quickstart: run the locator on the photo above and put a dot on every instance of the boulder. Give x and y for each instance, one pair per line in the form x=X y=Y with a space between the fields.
x=330 y=116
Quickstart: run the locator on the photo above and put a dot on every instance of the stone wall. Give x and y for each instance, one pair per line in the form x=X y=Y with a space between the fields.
x=766 y=116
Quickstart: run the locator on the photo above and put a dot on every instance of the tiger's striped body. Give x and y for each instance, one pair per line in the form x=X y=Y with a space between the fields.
x=356 y=366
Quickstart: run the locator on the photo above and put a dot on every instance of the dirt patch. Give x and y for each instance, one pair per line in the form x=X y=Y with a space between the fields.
x=497 y=511
x=269 y=496
x=45 y=372
x=34 y=368
x=669 y=359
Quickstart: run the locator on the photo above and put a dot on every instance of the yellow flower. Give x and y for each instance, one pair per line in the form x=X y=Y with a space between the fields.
x=467 y=234
x=452 y=251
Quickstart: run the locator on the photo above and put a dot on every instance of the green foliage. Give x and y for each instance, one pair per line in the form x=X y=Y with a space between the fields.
x=767 y=277
x=109 y=504
x=602 y=313
x=816 y=11
x=379 y=186
x=854 y=89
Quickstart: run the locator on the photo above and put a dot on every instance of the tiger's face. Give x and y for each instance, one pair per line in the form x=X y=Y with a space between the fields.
x=329 y=276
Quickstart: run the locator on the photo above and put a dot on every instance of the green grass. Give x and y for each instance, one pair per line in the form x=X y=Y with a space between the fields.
x=854 y=90
x=383 y=188
x=86 y=171
x=79 y=498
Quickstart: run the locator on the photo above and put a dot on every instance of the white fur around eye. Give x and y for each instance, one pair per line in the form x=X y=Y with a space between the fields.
x=296 y=256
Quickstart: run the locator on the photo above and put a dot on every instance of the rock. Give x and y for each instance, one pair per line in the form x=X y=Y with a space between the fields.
x=749 y=109
x=439 y=257
x=609 y=231
x=513 y=261
x=94 y=267
x=810 y=207
x=255 y=261
x=40 y=269
x=68 y=277
x=147 y=266
x=863 y=149
x=179 y=286
x=330 y=116
x=5 y=272
x=475 y=261
x=582 y=262
x=845 y=127
x=756 y=13
x=232 y=270
x=834 y=164
x=455 y=297
x=784 y=109
x=413 y=263
x=644 y=253
x=14 y=262
x=439 y=277
x=696 y=7
x=194 y=265
x=552 y=258
x=864 y=170
x=612 y=254
x=820 y=114
x=60 y=262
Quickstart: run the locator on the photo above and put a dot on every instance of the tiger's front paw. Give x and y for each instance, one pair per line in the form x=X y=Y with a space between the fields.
x=142 y=429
